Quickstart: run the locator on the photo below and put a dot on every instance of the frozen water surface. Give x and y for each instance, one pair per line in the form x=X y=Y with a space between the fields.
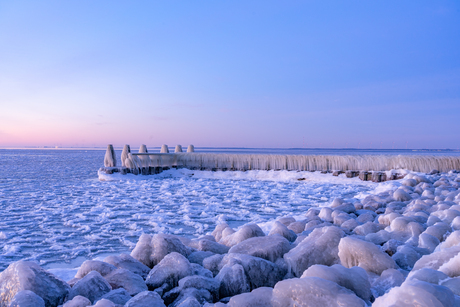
x=55 y=209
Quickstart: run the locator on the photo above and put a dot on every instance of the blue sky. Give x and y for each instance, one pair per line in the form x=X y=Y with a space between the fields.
x=368 y=74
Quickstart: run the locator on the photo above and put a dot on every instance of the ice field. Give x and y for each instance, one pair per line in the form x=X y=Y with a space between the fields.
x=56 y=210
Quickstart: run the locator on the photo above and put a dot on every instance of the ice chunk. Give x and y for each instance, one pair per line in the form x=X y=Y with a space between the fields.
x=281 y=229
x=170 y=270
x=401 y=195
x=78 y=301
x=349 y=225
x=388 y=279
x=199 y=256
x=260 y=272
x=209 y=246
x=320 y=247
x=325 y=214
x=356 y=252
x=453 y=284
x=436 y=259
x=298 y=226
x=131 y=282
x=406 y=256
x=367 y=228
x=260 y=297
x=212 y=263
x=354 y=279
x=313 y=292
x=217 y=232
x=27 y=298
x=125 y=261
x=336 y=202
x=151 y=251
x=201 y=282
x=103 y=268
x=427 y=275
x=25 y=275
x=244 y=233
x=438 y=230
x=191 y=295
x=286 y=220
x=451 y=267
x=232 y=280
x=420 y=294
x=269 y=247
x=118 y=296
x=93 y=286
x=201 y=271
x=452 y=240
x=104 y=303
x=146 y=299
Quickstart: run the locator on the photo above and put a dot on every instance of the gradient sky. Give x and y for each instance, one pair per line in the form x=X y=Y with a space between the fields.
x=368 y=74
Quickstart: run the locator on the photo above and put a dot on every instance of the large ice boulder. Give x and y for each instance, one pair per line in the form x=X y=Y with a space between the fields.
x=260 y=297
x=401 y=195
x=437 y=259
x=25 y=275
x=313 y=292
x=93 y=286
x=356 y=252
x=146 y=299
x=270 y=247
x=388 y=279
x=320 y=247
x=191 y=296
x=244 y=233
x=131 y=282
x=259 y=272
x=78 y=301
x=232 y=280
x=105 y=303
x=282 y=230
x=118 y=296
x=354 y=279
x=209 y=246
x=201 y=282
x=427 y=275
x=26 y=298
x=417 y=293
x=150 y=250
x=125 y=261
x=103 y=268
x=169 y=271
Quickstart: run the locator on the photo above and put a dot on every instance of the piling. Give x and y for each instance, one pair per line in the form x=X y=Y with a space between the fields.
x=110 y=160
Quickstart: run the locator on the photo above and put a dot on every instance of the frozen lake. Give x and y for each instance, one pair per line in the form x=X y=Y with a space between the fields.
x=55 y=210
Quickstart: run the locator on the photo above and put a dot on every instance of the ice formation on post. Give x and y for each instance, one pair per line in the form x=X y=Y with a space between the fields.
x=124 y=154
x=164 y=149
x=178 y=148
x=191 y=148
x=110 y=160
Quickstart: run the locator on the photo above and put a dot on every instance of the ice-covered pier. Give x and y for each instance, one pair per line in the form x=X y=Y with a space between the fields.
x=367 y=167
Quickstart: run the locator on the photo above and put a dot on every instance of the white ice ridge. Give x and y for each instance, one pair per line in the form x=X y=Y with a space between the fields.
x=415 y=163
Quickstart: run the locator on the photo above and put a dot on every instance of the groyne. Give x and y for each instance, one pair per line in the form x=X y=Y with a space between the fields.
x=367 y=167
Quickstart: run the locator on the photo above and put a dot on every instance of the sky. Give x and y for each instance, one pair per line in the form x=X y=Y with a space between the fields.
x=275 y=74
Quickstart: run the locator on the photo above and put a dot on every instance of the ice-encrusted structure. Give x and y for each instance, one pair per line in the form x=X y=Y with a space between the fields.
x=317 y=162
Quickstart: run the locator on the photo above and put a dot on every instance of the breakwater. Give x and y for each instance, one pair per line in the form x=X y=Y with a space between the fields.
x=368 y=167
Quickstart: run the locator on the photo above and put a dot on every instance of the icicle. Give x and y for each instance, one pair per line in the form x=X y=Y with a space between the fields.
x=110 y=160
x=318 y=162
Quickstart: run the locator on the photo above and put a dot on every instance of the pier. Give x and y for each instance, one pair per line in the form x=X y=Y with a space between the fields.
x=375 y=168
